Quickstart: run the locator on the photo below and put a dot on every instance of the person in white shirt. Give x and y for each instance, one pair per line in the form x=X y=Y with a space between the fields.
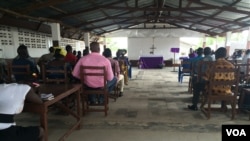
x=12 y=99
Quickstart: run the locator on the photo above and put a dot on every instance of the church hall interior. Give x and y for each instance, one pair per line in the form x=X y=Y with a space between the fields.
x=155 y=35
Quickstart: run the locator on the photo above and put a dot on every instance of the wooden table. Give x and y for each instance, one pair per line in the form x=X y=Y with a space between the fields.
x=60 y=91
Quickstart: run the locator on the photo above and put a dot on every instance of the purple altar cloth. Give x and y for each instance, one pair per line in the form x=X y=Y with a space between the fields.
x=151 y=62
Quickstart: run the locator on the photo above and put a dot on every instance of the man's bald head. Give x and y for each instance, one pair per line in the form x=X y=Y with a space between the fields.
x=95 y=47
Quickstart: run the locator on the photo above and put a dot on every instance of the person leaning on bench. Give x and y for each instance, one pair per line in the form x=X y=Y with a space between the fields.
x=12 y=99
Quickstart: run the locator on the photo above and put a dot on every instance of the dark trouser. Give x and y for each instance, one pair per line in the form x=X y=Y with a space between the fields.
x=198 y=88
x=19 y=133
x=129 y=72
x=194 y=81
x=110 y=85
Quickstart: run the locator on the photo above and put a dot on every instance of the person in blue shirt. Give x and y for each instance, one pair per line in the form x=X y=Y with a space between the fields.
x=192 y=53
x=196 y=59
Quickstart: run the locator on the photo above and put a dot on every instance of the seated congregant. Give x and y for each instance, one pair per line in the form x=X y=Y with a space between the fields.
x=116 y=69
x=70 y=57
x=47 y=57
x=123 y=57
x=124 y=63
x=23 y=58
x=96 y=59
x=207 y=57
x=79 y=55
x=85 y=52
x=200 y=86
x=58 y=63
x=192 y=53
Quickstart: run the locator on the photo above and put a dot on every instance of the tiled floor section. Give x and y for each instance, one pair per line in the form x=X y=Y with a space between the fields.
x=153 y=108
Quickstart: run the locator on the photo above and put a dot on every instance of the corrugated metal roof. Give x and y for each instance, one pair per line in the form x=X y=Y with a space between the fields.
x=212 y=17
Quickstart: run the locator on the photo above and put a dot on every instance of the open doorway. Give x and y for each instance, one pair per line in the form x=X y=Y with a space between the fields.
x=115 y=43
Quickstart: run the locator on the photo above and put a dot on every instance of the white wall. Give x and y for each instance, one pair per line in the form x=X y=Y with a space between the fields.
x=162 y=33
x=140 y=41
x=184 y=49
x=237 y=45
x=9 y=51
x=37 y=43
x=141 y=46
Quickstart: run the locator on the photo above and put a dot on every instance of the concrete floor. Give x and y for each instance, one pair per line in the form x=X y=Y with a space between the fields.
x=153 y=108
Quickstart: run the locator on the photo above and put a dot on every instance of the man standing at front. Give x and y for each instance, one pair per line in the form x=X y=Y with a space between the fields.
x=96 y=59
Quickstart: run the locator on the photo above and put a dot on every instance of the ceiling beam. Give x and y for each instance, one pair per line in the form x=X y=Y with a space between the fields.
x=102 y=33
x=217 y=19
x=58 y=10
x=180 y=6
x=38 y=5
x=161 y=9
x=180 y=3
x=136 y=3
x=75 y=33
x=193 y=16
x=103 y=19
x=102 y=26
x=225 y=8
x=39 y=26
x=38 y=19
x=21 y=23
x=218 y=12
x=154 y=28
x=103 y=12
x=127 y=27
x=242 y=18
x=196 y=30
x=205 y=7
x=70 y=14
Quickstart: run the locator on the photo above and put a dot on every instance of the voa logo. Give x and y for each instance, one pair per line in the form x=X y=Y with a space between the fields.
x=236 y=132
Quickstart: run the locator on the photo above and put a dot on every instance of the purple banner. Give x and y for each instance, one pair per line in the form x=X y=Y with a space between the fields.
x=175 y=50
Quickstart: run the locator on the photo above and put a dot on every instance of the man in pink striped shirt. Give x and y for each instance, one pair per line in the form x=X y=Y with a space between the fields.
x=96 y=59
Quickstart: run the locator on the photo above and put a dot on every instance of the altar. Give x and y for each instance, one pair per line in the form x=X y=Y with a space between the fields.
x=151 y=61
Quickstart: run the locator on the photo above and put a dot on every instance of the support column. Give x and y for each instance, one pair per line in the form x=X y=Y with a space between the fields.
x=248 y=39
x=56 y=38
x=104 y=43
x=228 y=42
x=56 y=35
x=216 y=40
x=86 y=39
x=204 y=41
x=12 y=51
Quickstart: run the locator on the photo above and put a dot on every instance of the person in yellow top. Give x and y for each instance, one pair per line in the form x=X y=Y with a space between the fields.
x=222 y=63
x=62 y=50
